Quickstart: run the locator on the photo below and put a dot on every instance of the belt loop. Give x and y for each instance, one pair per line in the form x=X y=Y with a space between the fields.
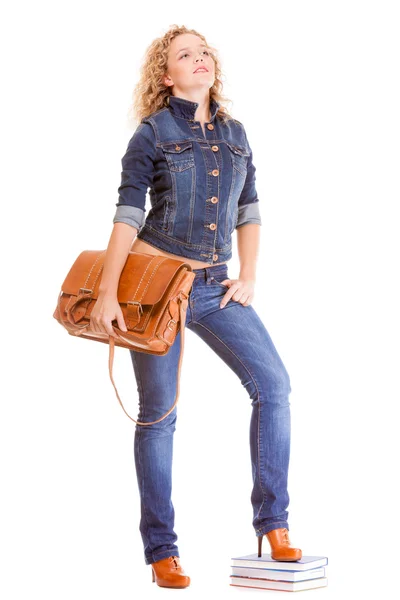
x=208 y=274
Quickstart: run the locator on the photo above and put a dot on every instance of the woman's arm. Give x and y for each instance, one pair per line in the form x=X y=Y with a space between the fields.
x=249 y=222
x=136 y=178
x=248 y=240
x=242 y=289
x=120 y=243
x=107 y=309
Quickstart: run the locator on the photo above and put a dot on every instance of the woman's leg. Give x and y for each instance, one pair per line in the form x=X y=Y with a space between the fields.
x=153 y=450
x=238 y=336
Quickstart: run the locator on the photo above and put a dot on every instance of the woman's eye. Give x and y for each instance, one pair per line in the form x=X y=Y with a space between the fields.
x=186 y=54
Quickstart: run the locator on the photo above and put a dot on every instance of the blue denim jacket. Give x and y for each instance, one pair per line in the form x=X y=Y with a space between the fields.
x=201 y=187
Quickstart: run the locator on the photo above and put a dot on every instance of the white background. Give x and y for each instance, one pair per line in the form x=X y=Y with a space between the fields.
x=316 y=84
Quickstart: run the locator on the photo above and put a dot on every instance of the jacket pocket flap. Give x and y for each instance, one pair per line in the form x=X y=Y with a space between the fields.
x=239 y=150
x=176 y=147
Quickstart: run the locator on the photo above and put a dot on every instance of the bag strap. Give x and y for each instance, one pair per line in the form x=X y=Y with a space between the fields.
x=111 y=362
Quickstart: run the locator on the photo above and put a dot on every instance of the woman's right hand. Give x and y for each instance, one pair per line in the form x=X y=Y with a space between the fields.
x=105 y=310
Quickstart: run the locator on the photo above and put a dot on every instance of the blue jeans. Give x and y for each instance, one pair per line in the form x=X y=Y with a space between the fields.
x=238 y=336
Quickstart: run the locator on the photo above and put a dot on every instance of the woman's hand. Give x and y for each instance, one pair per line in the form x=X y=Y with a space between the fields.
x=105 y=310
x=240 y=290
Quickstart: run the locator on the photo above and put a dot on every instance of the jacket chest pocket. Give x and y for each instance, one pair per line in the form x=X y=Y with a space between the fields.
x=239 y=158
x=179 y=155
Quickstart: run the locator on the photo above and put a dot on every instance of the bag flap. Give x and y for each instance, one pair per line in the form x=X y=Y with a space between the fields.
x=144 y=278
x=149 y=277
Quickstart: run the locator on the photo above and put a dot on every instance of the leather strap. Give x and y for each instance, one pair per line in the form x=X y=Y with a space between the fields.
x=111 y=362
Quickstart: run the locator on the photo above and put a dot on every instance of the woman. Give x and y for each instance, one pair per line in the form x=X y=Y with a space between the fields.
x=197 y=162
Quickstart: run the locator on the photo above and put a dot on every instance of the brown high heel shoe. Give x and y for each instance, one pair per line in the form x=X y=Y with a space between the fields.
x=280 y=545
x=168 y=572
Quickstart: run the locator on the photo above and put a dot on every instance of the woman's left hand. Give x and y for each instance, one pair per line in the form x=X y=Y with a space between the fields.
x=240 y=290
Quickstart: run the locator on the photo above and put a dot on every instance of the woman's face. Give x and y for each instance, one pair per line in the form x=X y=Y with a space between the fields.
x=187 y=53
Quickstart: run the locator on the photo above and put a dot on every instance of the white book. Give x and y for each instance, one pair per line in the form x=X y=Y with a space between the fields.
x=287 y=586
x=279 y=575
x=266 y=562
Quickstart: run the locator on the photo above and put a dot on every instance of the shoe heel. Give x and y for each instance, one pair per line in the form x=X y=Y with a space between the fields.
x=152 y=575
x=260 y=539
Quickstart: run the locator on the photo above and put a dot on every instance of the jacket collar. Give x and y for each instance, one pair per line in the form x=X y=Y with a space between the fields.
x=185 y=109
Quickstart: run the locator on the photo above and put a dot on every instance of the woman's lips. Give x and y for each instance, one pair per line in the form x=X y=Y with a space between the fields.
x=201 y=70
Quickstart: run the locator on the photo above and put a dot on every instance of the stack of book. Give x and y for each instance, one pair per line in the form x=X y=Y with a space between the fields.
x=290 y=576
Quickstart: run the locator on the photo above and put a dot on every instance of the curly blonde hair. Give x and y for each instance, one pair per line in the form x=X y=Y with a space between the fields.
x=150 y=93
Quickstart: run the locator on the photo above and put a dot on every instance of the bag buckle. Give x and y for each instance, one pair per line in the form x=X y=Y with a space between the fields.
x=169 y=324
x=138 y=303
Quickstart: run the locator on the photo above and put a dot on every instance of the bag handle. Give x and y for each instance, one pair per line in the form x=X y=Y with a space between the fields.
x=111 y=362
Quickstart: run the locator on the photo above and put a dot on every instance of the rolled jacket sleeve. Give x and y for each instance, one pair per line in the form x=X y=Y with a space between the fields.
x=249 y=207
x=136 y=177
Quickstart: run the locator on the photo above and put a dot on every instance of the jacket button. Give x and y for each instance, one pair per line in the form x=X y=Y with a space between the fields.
x=210 y=126
x=177 y=147
x=215 y=256
x=214 y=148
x=214 y=199
x=215 y=172
x=213 y=226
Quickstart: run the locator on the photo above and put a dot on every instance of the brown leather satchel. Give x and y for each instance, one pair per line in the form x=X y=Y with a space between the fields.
x=153 y=293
